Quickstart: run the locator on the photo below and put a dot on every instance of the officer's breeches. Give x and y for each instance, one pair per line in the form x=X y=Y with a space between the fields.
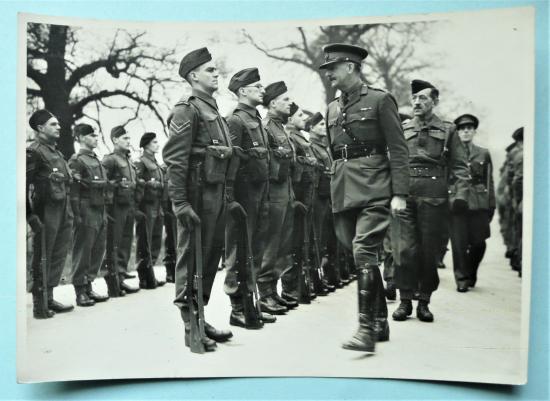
x=253 y=198
x=149 y=234
x=88 y=245
x=279 y=238
x=212 y=218
x=362 y=231
x=423 y=228
x=58 y=224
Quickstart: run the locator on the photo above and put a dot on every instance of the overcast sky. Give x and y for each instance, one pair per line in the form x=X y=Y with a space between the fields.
x=487 y=59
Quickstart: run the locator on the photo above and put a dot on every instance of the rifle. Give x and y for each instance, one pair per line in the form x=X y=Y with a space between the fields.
x=304 y=285
x=44 y=270
x=319 y=269
x=112 y=278
x=250 y=299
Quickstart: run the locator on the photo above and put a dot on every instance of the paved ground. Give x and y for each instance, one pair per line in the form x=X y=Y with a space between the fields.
x=475 y=337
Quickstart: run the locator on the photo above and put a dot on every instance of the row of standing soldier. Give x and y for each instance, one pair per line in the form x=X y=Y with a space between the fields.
x=263 y=189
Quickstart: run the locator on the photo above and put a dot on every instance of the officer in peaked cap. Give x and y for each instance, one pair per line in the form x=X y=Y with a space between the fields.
x=149 y=224
x=49 y=212
x=198 y=138
x=247 y=182
x=363 y=126
x=438 y=176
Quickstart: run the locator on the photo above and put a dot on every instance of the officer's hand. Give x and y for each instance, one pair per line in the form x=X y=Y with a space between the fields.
x=236 y=210
x=299 y=207
x=35 y=223
x=398 y=204
x=187 y=216
x=460 y=206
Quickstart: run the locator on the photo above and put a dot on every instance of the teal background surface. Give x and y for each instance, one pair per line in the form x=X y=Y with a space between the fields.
x=268 y=388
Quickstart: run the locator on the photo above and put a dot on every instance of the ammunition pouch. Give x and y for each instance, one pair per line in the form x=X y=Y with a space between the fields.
x=216 y=160
x=279 y=167
x=257 y=164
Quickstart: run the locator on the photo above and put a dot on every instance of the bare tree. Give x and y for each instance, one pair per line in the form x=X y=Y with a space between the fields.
x=73 y=82
x=391 y=47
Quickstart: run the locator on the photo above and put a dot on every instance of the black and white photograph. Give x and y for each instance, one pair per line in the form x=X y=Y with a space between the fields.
x=332 y=198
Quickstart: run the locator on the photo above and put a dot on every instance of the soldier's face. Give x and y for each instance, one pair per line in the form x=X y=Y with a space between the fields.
x=207 y=76
x=466 y=133
x=255 y=93
x=423 y=103
x=338 y=74
x=281 y=105
x=153 y=146
x=298 y=119
x=122 y=142
x=50 y=129
x=320 y=128
x=90 y=141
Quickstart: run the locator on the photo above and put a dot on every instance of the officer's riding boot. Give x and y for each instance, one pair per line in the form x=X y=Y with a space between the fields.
x=40 y=308
x=94 y=295
x=57 y=307
x=82 y=298
x=405 y=307
x=381 y=326
x=170 y=272
x=113 y=287
x=365 y=337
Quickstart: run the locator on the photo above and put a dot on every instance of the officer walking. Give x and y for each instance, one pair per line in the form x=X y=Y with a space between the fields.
x=48 y=212
x=281 y=213
x=150 y=219
x=90 y=220
x=196 y=156
x=436 y=156
x=363 y=125
x=121 y=174
x=249 y=188
x=470 y=230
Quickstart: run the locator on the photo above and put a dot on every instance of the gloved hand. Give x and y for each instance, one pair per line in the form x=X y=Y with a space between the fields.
x=299 y=207
x=236 y=210
x=460 y=206
x=187 y=216
x=35 y=223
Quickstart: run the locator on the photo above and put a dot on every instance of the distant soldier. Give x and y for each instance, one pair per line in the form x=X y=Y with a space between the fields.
x=363 y=126
x=470 y=230
x=121 y=173
x=437 y=163
x=250 y=189
x=170 y=232
x=150 y=219
x=281 y=199
x=90 y=221
x=48 y=212
x=323 y=223
x=197 y=155
x=515 y=183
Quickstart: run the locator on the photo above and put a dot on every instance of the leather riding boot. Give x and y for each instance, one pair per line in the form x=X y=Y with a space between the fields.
x=365 y=337
x=381 y=326
x=40 y=308
x=94 y=295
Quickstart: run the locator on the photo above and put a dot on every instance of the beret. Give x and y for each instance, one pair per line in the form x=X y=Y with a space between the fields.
x=417 y=85
x=293 y=108
x=273 y=90
x=467 y=119
x=242 y=78
x=340 y=52
x=39 y=117
x=194 y=59
x=518 y=134
x=82 y=130
x=146 y=138
x=117 y=131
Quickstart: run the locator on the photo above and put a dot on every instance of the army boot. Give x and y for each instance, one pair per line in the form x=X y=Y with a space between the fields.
x=57 y=307
x=423 y=313
x=82 y=298
x=94 y=295
x=288 y=303
x=381 y=326
x=170 y=272
x=267 y=302
x=40 y=308
x=404 y=310
x=365 y=337
x=113 y=287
